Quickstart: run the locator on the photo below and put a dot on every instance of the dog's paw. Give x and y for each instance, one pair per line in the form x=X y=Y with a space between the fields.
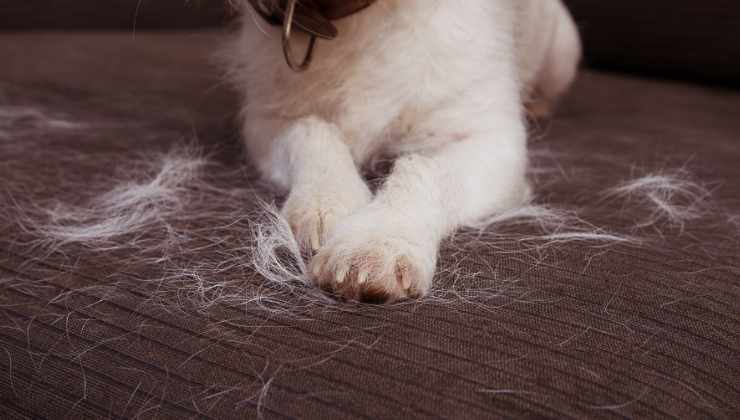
x=312 y=215
x=375 y=266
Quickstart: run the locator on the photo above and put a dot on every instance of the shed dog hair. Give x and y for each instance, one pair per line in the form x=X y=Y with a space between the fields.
x=440 y=85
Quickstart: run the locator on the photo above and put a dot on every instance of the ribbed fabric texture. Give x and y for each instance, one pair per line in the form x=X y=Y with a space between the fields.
x=624 y=331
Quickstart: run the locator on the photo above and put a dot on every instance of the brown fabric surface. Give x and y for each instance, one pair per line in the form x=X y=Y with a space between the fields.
x=112 y=14
x=683 y=39
x=577 y=331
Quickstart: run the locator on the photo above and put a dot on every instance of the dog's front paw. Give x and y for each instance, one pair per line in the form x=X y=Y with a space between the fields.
x=312 y=214
x=379 y=265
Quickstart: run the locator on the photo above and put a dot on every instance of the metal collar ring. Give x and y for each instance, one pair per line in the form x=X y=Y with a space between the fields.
x=287 y=50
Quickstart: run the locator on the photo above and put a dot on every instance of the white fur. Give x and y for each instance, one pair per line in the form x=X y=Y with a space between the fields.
x=673 y=197
x=440 y=84
x=130 y=208
x=20 y=120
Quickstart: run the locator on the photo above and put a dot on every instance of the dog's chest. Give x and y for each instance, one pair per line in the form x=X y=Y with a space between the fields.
x=389 y=67
x=409 y=63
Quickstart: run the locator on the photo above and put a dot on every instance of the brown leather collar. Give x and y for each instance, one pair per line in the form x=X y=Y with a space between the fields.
x=311 y=16
x=337 y=9
x=273 y=11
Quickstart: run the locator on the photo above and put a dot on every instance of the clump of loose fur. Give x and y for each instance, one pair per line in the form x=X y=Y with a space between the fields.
x=134 y=206
x=672 y=198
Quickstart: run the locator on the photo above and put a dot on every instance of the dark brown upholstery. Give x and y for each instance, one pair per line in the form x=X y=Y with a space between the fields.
x=683 y=39
x=576 y=330
x=112 y=14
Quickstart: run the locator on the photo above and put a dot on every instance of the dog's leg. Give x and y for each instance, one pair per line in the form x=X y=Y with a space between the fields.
x=560 y=66
x=310 y=159
x=387 y=251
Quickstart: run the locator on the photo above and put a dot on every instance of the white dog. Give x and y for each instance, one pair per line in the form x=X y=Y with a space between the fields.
x=439 y=84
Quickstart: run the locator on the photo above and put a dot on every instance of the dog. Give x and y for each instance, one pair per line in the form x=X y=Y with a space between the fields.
x=439 y=85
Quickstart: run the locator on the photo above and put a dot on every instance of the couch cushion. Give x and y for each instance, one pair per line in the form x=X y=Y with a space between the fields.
x=684 y=39
x=174 y=321
x=111 y=14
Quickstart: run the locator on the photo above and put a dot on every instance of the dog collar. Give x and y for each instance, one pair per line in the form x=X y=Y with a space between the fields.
x=313 y=17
